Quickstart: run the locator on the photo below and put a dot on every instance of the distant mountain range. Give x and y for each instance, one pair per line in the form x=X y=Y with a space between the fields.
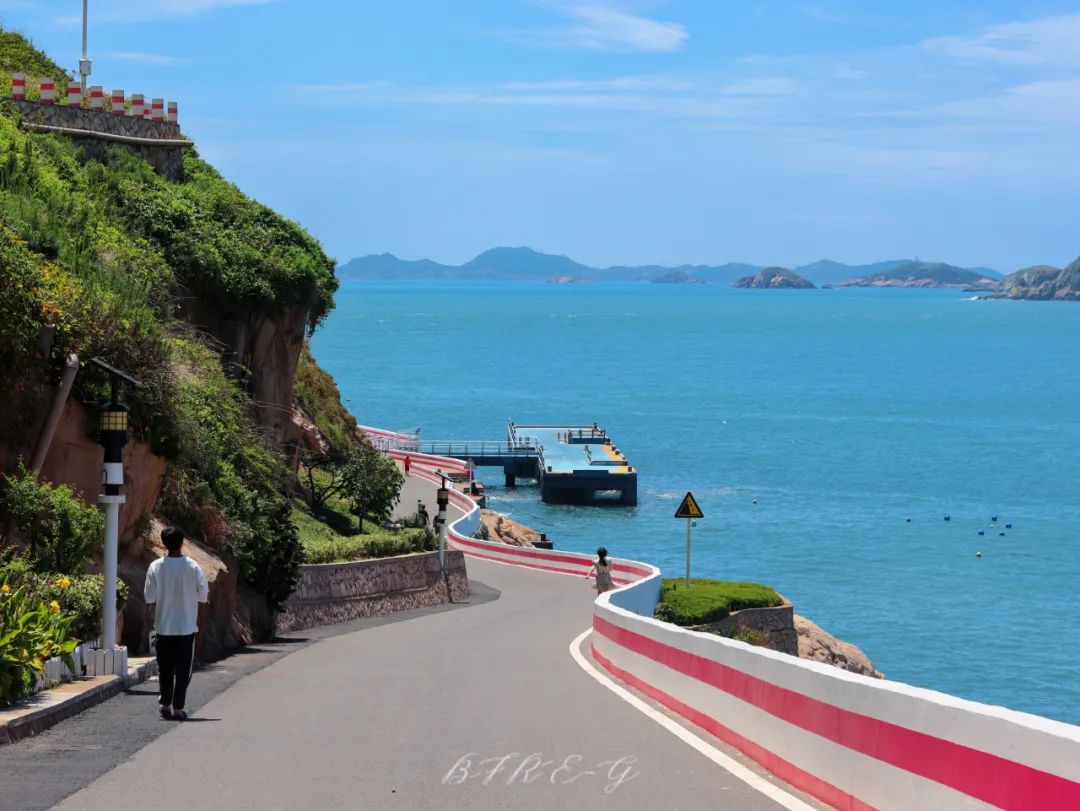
x=527 y=265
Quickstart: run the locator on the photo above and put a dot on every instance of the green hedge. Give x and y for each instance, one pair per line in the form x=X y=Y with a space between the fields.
x=710 y=600
x=323 y=544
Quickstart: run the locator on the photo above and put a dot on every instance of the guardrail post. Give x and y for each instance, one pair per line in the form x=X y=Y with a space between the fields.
x=158 y=110
x=136 y=110
x=18 y=86
x=172 y=112
x=48 y=91
x=97 y=97
x=118 y=102
x=74 y=95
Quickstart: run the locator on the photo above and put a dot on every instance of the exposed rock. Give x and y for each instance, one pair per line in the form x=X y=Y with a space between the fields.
x=268 y=349
x=775 y=279
x=821 y=646
x=501 y=529
x=1044 y=283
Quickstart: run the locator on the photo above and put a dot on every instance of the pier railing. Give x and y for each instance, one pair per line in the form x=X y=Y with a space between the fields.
x=477 y=449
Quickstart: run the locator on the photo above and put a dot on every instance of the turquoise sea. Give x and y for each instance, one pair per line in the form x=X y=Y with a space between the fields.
x=842 y=412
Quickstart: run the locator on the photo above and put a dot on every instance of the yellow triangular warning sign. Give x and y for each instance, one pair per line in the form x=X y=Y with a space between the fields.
x=689 y=508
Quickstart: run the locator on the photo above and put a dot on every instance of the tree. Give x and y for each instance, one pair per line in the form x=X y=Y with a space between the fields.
x=327 y=475
x=373 y=484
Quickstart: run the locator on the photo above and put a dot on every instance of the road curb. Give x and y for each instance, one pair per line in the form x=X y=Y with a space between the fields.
x=27 y=721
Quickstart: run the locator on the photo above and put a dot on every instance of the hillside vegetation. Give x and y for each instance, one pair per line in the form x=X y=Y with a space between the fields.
x=97 y=258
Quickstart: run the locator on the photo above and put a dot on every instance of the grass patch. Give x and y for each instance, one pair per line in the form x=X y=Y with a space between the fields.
x=324 y=542
x=710 y=600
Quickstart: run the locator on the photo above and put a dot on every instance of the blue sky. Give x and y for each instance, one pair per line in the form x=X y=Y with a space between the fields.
x=623 y=131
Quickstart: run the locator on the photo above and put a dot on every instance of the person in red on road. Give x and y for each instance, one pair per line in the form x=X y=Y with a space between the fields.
x=408 y=465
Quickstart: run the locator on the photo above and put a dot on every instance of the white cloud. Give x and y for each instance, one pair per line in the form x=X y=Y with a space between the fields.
x=120 y=11
x=600 y=27
x=161 y=60
x=188 y=8
x=1047 y=41
x=764 y=86
x=346 y=88
x=620 y=83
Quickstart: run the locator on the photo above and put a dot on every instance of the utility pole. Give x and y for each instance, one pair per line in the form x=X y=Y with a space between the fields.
x=84 y=63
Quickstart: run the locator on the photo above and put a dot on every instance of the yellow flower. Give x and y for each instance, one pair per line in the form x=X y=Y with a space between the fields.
x=64 y=582
x=5 y=589
x=54 y=607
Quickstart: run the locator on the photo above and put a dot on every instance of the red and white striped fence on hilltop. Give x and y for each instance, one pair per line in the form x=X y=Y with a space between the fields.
x=853 y=742
x=135 y=107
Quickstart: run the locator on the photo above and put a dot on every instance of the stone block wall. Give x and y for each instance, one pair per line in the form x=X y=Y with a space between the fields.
x=337 y=592
x=778 y=623
x=167 y=159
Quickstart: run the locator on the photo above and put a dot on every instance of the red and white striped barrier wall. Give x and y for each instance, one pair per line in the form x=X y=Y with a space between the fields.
x=849 y=740
x=855 y=743
x=48 y=91
x=97 y=97
x=18 y=86
x=118 y=102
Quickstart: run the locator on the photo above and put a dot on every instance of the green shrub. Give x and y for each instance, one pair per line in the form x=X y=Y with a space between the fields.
x=710 y=600
x=59 y=531
x=31 y=633
x=80 y=596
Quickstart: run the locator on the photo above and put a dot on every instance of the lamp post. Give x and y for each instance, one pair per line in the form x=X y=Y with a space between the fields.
x=442 y=497
x=84 y=63
x=112 y=435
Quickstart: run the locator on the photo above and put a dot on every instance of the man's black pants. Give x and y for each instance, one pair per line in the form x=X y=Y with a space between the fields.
x=175 y=657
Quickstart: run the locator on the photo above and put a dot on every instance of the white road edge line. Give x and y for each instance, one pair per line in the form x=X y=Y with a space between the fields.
x=748 y=776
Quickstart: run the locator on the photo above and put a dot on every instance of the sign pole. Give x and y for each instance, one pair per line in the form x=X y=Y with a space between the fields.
x=689 y=510
x=689 y=523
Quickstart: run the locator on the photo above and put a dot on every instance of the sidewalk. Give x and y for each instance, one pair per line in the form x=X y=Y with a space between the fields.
x=37 y=713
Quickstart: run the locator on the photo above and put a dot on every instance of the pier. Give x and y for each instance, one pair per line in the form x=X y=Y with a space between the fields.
x=572 y=464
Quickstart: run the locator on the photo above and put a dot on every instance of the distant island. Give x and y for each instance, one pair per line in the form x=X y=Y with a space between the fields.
x=676 y=277
x=1043 y=283
x=528 y=265
x=926 y=274
x=775 y=279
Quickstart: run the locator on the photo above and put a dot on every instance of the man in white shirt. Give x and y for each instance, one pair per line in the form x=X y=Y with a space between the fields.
x=175 y=585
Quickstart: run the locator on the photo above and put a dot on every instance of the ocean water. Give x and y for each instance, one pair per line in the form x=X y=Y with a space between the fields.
x=842 y=412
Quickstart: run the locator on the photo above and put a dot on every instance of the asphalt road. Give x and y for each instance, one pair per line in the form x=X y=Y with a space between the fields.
x=470 y=707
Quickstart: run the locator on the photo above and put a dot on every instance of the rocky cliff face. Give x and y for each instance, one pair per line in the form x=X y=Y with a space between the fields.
x=1044 y=283
x=268 y=349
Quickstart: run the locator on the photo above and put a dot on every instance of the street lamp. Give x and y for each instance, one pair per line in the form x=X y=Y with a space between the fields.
x=84 y=63
x=112 y=435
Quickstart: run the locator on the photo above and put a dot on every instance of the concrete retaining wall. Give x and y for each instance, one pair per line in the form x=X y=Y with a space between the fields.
x=336 y=592
x=167 y=160
x=778 y=624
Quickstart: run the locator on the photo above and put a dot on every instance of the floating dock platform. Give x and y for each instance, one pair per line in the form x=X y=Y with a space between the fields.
x=572 y=464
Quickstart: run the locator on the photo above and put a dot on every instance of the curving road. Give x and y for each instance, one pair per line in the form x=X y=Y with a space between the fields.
x=478 y=707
